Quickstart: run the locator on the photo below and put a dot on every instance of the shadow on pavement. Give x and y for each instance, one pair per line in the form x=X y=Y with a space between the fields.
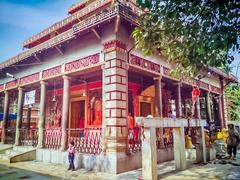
x=12 y=173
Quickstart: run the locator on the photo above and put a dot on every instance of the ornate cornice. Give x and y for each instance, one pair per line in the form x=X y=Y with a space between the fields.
x=83 y=25
x=29 y=79
x=91 y=8
x=144 y=64
x=73 y=66
x=11 y=84
x=81 y=63
x=1 y=87
x=114 y=45
x=51 y=72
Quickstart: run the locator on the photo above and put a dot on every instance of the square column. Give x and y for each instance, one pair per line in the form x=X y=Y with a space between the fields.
x=179 y=101
x=19 y=116
x=115 y=99
x=209 y=113
x=198 y=108
x=149 y=154
x=179 y=148
x=158 y=96
x=5 y=116
x=65 y=111
x=41 y=122
x=158 y=106
x=220 y=111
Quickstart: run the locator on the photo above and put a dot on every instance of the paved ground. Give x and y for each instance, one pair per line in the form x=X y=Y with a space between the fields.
x=38 y=170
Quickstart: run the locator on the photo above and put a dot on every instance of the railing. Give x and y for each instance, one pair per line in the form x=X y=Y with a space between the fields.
x=28 y=137
x=134 y=139
x=76 y=16
x=10 y=135
x=87 y=140
x=53 y=138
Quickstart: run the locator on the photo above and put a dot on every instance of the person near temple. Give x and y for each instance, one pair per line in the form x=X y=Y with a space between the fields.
x=71 y=155
x=232 y=142
x=131 y=126
x=171 y=114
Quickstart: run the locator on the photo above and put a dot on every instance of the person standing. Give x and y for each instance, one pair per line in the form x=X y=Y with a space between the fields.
x=71 y=154
x=232 y=142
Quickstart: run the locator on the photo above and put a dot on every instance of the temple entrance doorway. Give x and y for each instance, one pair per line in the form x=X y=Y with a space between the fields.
x=77 y=113
x=145 y=109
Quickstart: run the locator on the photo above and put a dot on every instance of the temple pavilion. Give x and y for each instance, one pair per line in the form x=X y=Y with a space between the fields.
x=83 y=80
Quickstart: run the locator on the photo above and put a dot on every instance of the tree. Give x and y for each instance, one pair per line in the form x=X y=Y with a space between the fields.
x=233 y=95
x=191 y=34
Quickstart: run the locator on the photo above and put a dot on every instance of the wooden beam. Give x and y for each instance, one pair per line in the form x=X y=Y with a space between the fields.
x=16 y=68
x=117 y=23
x=36 y=57
x=96 y=33
x=59 y=50
x=57 y=32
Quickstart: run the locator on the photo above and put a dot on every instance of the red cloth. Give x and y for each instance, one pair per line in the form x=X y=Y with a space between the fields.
x=195 y=94
x=131 y=123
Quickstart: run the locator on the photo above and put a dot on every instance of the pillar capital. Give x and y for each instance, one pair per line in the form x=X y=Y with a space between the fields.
x=43 y=83
x=20 y=88
x=66 y=77
x=6 y=92
x=114 y=45
x=157 y=78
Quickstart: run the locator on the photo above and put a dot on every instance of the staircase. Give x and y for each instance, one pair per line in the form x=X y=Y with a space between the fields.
x=18 y=154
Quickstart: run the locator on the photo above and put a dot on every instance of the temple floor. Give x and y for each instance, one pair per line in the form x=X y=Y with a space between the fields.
x=41 y=170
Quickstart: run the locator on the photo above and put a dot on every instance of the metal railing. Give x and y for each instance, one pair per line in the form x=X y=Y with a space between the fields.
x=53 y=138
x=28 y=137
x=10 y=135
x=86 y=140
x=134 y=139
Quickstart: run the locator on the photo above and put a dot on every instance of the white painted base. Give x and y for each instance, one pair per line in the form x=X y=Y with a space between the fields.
x=102 y=163
x=191 y=154
x=211 y=154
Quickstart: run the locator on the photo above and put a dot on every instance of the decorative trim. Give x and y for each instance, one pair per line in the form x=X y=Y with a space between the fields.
x=11 y=84
x=81 y=63
x=143 y=63
x=91 y=8
x=166 y=71
x=51 y=72
x=1 y=87
x=215 y=89
x=29 y=79
x=114 y=45
x=204 y=85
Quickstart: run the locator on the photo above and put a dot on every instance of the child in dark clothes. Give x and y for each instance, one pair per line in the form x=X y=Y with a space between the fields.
x=71 y=154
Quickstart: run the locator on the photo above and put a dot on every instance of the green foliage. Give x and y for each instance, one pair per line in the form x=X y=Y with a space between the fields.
x=233 y=94
x=192 y=34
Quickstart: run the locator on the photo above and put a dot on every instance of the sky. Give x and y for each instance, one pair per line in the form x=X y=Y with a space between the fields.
x=20 y=19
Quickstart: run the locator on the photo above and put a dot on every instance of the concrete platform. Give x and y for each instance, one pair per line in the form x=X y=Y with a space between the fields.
x=101 y=163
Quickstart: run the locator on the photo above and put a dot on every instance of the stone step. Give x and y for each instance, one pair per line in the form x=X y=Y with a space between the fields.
x=4 y=158
x=23 y=148
x=13 y=152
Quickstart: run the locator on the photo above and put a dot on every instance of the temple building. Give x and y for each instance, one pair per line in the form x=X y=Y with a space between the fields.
x=88 y=83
